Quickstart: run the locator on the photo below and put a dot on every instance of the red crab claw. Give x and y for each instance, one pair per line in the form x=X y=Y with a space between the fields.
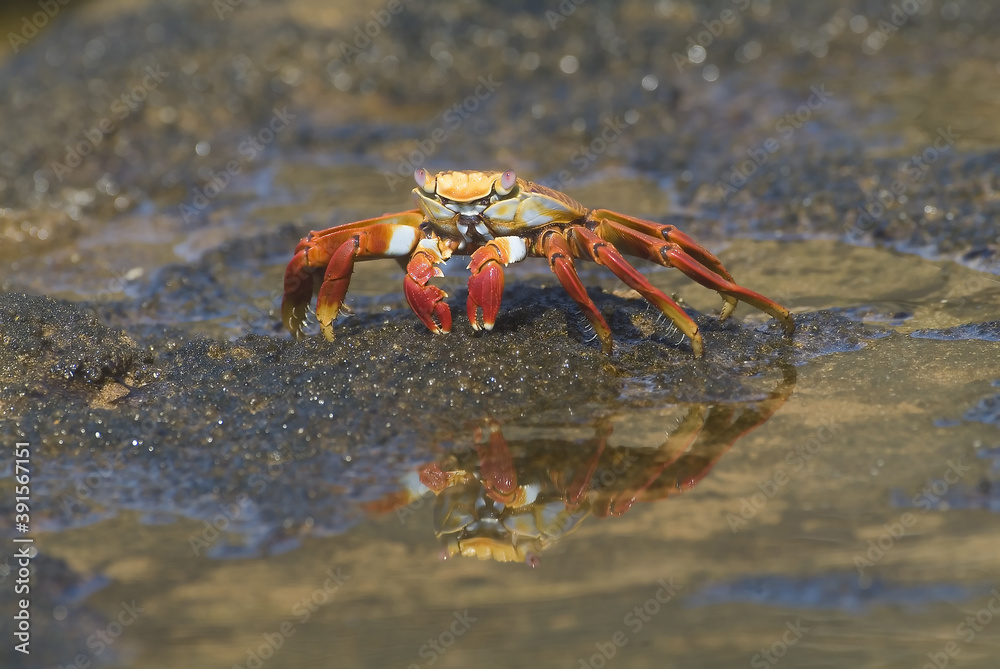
x=427 y=301
x=486 y=282
x=485 y=292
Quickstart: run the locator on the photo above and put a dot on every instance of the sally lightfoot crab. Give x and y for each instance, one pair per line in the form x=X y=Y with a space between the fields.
x=498 y=219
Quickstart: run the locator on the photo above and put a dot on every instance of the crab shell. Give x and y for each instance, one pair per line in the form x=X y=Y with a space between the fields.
x=480 y=206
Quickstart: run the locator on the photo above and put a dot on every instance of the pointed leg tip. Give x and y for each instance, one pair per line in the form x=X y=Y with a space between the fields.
x=293 y=317
x=697 y=345
x=727 y=309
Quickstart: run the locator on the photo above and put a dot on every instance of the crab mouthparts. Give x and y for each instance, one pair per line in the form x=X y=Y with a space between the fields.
x=473 y=227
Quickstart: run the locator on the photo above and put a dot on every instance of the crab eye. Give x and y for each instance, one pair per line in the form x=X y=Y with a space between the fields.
x=420 y=176
x=507 y=180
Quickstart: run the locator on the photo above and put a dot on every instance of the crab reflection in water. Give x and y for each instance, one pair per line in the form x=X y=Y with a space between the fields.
x=512 y=500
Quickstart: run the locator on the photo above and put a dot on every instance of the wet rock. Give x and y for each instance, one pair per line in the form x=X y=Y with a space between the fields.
x=48 y=344
x=838 y=591
x=982 y=331
x=313 y=429
x=987 y=411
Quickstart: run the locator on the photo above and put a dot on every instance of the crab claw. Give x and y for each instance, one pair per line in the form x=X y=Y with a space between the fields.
x=426 y=301
x=428 y=304
x=485 y=292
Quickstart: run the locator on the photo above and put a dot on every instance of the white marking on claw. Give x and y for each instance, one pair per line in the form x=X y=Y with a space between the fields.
x=515 y=248
x=401 y=242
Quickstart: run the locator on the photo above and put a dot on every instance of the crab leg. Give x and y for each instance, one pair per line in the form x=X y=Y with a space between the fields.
x=586 y=244
x=336 y=249
x=671 y=234
x=671 y=254
x=427 y=301
x=560 y=257
x=583 y=478
x=683 y=438
x=486 y=282
x=389 y=235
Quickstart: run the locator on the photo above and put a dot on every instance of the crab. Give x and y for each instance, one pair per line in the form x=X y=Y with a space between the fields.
x=498 y=219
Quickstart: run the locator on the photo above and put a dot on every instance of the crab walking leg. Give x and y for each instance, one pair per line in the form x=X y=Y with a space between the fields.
x=560 y=257
x=673 y=255
x=313 y=253
x=669 y=233
x=318 y=238
x=382 y=240
x=427 y=301
x=486 y=282
x=586 y=244
x=683 y=438
x=298 y=292
x=584 y=476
